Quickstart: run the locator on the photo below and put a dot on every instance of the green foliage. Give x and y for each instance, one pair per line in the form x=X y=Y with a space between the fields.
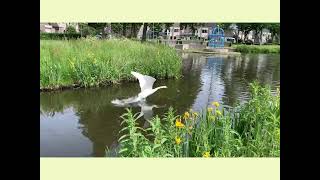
x=258 y=123
x=245 y=28
x=249 y=130
x=90 y=62
x=224 y=26
x=257 y=48
x=116 y=27
x=192 y=26
x=156 y=27
x=274 y=29
x=87 y=30
x=59 y=36
x=134 y=143
x=97 y=26
x=71 y=30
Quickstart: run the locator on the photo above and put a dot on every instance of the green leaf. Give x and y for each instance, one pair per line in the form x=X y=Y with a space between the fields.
x=123 y=129
x=123 y=150
x=122 y=122
x=163 y=140
x=156 y=146
x=124 y=136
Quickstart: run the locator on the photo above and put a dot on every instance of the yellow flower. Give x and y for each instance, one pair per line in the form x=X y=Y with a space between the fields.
x=195 y=114
x=216 y=104
x=210 y=109
x=179 y=124
x=186 y=115
x=190 y=127
x=212 y=118
x=178 y=140
x=218 y=113
x=206 y=154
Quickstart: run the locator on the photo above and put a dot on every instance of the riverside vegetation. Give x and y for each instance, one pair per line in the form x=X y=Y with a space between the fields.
x=248 y=130
x=89 y=62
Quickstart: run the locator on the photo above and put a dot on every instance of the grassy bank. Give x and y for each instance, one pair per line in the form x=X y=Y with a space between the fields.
x=249 y=130
x=257 y=48
x=89 y=62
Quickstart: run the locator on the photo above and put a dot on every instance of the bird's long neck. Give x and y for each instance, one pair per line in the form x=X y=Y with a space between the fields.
x=160 y=87
x=148 y=92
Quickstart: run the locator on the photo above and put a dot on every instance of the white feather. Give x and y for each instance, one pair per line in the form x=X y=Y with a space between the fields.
x=146 y=85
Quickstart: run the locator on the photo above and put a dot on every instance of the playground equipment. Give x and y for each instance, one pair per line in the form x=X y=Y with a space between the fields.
x=216 y=38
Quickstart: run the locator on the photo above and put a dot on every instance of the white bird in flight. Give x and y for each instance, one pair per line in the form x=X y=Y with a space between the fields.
x=146 y=85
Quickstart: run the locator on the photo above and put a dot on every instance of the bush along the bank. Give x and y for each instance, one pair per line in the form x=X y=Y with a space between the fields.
x=266 y=49
x=59 y=36
x=249 y=130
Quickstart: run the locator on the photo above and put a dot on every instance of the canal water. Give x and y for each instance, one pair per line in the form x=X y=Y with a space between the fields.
x=84 y=122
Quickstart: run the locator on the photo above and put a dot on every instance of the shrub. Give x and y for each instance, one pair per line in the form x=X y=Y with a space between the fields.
x=59 y=36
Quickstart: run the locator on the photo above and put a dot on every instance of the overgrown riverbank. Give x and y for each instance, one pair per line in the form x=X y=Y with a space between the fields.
x=249 y=130
x=257 y=48
x=88 y=62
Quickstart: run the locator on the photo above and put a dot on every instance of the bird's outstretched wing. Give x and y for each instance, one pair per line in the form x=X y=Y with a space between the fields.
x=146 y=82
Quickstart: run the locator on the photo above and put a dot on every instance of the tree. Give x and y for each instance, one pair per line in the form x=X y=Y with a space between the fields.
x=134 y=29
x=144 y=32
x=233 y=27
x=224 y=26
x=274 y=29
x=167 y=25
x=124 y=29
x=156 y=28
x=86 y=30
x=116 y=28
x=193 y=26
x=258 y=27
x=71 y=30
x=109 y=30
x=245 y=29
x=99 y=27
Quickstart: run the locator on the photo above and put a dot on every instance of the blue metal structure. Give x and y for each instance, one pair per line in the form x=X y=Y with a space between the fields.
x=216 y=38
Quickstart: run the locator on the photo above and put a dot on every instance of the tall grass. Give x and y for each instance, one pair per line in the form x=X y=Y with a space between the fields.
x=89 y=62
x=249 y=130
x=257 y=48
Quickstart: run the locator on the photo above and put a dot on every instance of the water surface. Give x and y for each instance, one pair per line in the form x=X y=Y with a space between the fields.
x=83 y=122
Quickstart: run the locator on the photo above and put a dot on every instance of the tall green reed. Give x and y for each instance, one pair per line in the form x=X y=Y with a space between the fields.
x=88 y=62
x=249 y=130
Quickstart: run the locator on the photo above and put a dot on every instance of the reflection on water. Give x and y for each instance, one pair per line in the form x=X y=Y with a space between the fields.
x=146 y=108
x=83 y=122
